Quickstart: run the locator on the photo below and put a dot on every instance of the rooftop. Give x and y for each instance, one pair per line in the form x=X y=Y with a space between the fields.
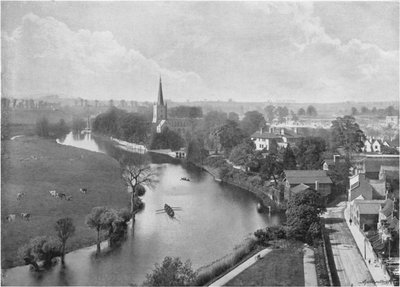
x=265 y=135
x=368 y=206
x=299 y=188
x=307 y=176
x=374 y=164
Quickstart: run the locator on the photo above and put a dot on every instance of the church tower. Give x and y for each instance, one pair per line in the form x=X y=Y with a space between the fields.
x=159 y=109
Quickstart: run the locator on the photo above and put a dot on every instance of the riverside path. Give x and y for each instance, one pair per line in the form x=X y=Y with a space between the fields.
x=350 y=266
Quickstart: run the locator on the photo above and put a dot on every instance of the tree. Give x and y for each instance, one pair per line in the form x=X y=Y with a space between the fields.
x=166 y=139
x=270 y=113
x=195 y=150
x=294 y=117
x=230 y=135
x=233 y=116
x=364 y=110
x=252 y=122
x=243 y=154
x=214 y=119
x=301 y=112
x=94 y=221
x=41 y=248
x=172 y=272
x=65 y=228
x=340 y=175
x=42 y=127
x=311 y=111
x=309 y=152
x=389 y=150
x=346 y=133
x=289 y=159
x=136 y=173
x=302 y=213
x=282 y=113
x=271 y=167
x=354 y=111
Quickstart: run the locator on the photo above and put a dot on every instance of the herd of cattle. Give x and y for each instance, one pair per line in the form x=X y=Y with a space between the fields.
x=26 y=216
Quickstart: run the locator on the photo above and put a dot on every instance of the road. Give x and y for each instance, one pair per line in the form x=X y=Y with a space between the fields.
x=350 y=266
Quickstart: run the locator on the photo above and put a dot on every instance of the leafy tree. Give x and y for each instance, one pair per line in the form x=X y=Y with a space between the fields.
x=94 y=221
x=346 y=133
x=196 y=151
x=166 y=139
x=136 y=172
x=391 y=111
x=303 y=211
x=59 y=129
x=282 y=113
x=65 y=228
x=294 y=117
x=233 y=116
x=354 y=111
x=185 y=112
x=309 y=152
x=230 y=135
x=252 y=122
x=271 y=167
x=289 y=159
x=340 y=175
x=78 y=124
x=301 y=112
x=270 y=113
x=364 y=110
x=109 y=221
x=214 y=119
x=243 y=154
x=172 y=272
x=42 y=127
x=41 y=248
x=311 y=111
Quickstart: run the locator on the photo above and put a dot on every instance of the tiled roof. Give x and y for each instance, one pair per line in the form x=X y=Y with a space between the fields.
x=265 y=135
x=387 y=209
x=307 y=176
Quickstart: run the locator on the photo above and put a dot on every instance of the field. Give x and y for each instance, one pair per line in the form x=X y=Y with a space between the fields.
x=35 y=166
x=281 y=267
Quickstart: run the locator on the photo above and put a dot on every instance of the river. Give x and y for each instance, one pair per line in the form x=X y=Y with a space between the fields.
x=214 y=219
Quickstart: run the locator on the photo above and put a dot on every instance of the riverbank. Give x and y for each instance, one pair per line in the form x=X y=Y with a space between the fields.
x=264 y=198
x=35 y=166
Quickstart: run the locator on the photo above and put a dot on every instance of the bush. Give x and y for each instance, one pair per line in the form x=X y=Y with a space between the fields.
x=172 y=272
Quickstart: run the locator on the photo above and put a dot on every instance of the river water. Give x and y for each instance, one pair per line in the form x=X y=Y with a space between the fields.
x=214 y=219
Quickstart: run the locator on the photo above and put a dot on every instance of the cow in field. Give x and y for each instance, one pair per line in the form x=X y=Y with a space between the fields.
x=10 y=217
x=20 y=195
x=62 y=195
x=69 y=197
x=26 y=216
x=53 y=193
x=83 y=190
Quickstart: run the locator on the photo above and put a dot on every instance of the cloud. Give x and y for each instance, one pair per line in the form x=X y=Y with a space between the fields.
x=45 y=55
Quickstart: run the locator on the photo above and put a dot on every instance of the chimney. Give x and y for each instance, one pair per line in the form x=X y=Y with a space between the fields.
x=316 y=185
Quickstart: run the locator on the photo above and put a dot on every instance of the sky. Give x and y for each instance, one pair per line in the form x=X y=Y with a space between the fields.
x=244 y=51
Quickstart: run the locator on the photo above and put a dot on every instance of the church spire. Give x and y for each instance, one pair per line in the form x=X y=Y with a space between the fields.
x=160 y=95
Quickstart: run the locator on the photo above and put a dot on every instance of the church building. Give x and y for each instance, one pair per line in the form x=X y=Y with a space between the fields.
x=161 y=120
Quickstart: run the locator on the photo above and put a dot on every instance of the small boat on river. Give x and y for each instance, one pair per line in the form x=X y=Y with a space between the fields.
x=185 y=178
x=168 y=210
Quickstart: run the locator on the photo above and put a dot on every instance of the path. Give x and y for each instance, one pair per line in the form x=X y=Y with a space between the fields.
x=310 y=274
x=350 y=266
x=376 y=269
x=236 y=271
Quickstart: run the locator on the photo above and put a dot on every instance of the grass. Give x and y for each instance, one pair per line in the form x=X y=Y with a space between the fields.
x=223 y=265
x=34 y=166
x=281 y=267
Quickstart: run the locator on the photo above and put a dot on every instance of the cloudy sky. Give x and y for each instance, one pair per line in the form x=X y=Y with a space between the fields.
x=245 y=51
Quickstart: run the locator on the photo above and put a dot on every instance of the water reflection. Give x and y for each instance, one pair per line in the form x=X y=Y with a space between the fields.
x=214 y=218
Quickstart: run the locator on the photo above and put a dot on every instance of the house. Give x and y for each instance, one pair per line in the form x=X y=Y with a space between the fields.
x=392 y=121
x=365 y=213
x=263 y=140
x=360 y=186
x=315 y=179
x=328 y=163
x=367 y=146
x=372 y=165
x=377 y=145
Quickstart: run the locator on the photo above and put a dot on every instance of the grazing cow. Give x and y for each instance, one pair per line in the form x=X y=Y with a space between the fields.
x=10 y=217
x=20 y=195
x=53 y=193
x=83 y=190
x=62 y=195
x=26 y=216
x=69 y=197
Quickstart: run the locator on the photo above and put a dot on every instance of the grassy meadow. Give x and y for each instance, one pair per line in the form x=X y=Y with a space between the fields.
x=281 y=267
x=35 y=166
